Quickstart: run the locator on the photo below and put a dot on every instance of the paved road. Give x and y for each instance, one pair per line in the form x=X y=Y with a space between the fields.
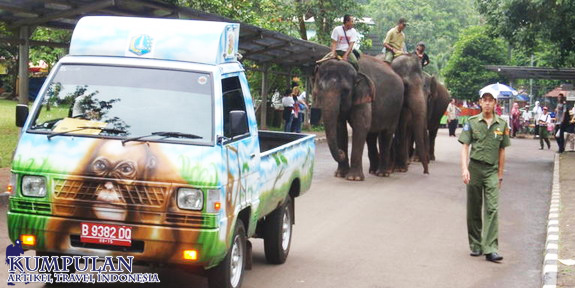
x=404 y=231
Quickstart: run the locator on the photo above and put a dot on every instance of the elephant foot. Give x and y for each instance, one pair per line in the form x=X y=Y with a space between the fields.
x=401 y=170
x=372 y=172
x=415 y=159
x=432 y=157
x=358 y=176
x=382 y=173
x=426 y=172
x=341 y=172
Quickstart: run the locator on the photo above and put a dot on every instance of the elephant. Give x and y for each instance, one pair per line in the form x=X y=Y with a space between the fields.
x=437 y=101
x=344 y=96
x=386 y=111
x=413 y=120
x=370 y=101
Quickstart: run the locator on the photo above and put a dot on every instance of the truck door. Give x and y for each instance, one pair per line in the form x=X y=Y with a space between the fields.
x=241 y=152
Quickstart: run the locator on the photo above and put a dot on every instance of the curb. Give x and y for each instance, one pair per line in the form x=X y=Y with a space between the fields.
x=552 y=242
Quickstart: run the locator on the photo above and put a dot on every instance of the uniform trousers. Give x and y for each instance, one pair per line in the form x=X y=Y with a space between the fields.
x=483 y=196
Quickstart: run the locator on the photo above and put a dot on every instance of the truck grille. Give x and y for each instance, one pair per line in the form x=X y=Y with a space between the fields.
x=132 y=194
x=30 y=206
x=196 y=221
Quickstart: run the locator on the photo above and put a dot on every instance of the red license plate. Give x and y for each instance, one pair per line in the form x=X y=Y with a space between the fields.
x=106 y=234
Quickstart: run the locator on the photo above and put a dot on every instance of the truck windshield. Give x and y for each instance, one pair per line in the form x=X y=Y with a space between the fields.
x=126 y=102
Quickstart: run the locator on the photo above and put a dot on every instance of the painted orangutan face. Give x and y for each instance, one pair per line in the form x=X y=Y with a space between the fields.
x=119 y=166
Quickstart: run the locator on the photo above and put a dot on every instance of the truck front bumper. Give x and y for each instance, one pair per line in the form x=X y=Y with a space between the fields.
x=150 y=243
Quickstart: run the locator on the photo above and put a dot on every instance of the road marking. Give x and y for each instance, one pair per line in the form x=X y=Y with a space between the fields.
x=552 y=243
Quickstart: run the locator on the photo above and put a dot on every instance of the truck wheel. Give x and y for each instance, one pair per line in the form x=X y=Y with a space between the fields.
x=277 y=233
x=230 y=272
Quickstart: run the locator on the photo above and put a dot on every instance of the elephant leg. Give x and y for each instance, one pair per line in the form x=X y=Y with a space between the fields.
x=342 y=143
x=385 y=141
x=372 y=152
x=420 y=144
x=360 y=121
x=432 y=136
x=400 y=143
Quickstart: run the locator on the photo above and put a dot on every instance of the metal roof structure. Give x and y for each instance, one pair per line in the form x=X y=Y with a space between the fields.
x=521 y=72
x=256 y=44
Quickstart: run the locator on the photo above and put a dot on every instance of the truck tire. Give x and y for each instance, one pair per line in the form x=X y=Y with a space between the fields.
x=230 y=272
x=277 y=233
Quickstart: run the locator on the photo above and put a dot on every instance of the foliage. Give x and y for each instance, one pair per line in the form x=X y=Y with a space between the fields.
x=327 y=15
x=531 y=25
x=436 y=23
x=50 y=55
x=465 y=73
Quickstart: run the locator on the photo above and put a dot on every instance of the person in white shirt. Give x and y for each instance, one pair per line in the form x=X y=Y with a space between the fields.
x=343 y=39
x=536 y=114
x=544 y=120
x=288 y=102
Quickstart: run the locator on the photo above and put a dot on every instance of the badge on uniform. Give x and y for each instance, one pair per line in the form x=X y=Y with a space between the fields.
x=466 y=127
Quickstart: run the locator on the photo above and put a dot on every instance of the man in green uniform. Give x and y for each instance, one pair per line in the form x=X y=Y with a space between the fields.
x=394 y=41
x=488 y=135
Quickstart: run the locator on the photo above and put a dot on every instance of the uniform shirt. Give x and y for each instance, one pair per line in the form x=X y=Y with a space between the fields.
x=485 y=141
x=287 y=101
x=395 y=39
x=338 y=35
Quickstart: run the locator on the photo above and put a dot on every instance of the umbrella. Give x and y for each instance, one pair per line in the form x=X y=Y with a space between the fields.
x=498 y=91
x=522 y=98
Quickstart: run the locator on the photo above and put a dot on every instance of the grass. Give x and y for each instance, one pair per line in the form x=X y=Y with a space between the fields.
x=8 y=130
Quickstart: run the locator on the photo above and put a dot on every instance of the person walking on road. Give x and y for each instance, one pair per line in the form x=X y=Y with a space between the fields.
x=544 y=120
x=537 y=111
x=486 y=135
x=452 y=113
x=559 y=132
x=515 y=116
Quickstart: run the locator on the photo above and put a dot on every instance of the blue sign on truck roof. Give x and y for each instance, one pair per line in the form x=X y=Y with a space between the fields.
x=203 y=42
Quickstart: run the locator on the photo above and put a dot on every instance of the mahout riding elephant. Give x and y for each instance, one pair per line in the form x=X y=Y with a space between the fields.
x=344 y=96
x=413 y=120
x=386 y=109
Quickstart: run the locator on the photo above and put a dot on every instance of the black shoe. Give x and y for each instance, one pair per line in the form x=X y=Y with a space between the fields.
x=493 y=257
x=476 y=253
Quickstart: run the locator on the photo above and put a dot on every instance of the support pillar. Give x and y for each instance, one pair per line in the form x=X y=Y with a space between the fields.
x=23 y=59
x=264 y=94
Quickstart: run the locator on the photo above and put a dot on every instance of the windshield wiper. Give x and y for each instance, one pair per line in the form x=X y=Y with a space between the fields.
x=164 y=134
x=110 y=130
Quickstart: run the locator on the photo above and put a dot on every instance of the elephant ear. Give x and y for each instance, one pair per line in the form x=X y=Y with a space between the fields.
x=363 y=90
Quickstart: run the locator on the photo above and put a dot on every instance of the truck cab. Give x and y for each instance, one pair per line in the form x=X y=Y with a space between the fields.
x=144 y=142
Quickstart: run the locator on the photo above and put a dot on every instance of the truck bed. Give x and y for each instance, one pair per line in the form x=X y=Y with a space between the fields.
x=270 y=140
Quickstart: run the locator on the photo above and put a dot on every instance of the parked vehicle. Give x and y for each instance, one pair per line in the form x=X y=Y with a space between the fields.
x=153 y=151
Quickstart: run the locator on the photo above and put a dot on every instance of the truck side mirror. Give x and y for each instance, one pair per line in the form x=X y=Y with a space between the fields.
x=238 y=123
x=21 y=115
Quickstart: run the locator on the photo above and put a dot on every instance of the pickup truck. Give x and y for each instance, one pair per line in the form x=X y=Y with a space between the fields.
x=143 y=142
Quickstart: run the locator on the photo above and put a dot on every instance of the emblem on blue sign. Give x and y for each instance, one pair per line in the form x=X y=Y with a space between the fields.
x=141 y=44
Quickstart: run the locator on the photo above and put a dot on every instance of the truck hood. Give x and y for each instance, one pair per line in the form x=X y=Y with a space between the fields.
x=68 y=156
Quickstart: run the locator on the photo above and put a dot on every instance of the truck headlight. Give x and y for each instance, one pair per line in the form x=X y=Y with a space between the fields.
x=191 y=199
x=34 y=186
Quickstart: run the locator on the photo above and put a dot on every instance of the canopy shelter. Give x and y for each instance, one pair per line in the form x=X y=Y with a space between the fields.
x=262 y=46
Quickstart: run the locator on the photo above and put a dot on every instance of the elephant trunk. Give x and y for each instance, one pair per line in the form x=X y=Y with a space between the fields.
x=330 y=119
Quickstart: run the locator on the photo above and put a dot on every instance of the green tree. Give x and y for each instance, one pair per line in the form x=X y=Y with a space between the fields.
x=531 y=25
x=465 y=74
x=50 y=55
x=437 y=23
